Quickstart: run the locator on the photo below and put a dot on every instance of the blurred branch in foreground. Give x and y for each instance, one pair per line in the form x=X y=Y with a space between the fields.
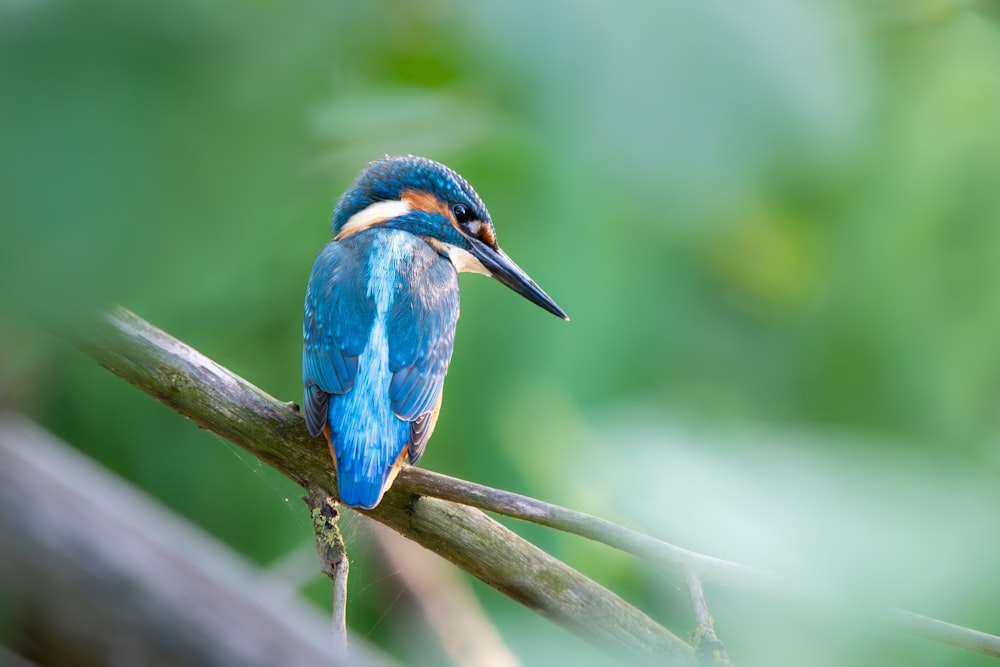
x=103 y=575
x=229 y=406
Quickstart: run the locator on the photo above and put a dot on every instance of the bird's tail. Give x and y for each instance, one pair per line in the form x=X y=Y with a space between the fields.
x=364 y=473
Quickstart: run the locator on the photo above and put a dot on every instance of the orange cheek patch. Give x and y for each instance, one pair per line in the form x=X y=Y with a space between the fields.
x=487 y=236
x=424 y=201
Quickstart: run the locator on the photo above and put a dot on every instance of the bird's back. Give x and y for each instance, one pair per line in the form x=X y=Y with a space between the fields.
x=381 y=308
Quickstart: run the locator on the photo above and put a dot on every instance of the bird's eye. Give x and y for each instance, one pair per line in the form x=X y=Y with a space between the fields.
x=463 y=215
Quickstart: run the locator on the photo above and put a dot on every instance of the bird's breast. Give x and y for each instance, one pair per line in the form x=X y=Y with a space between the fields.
x=399 y=265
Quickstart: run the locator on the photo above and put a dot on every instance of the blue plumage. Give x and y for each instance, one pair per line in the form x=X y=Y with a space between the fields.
x=378 y=348
x=380 y=313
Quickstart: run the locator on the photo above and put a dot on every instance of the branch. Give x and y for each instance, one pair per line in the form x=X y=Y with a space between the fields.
x=946 y=633
x=229 y=406
x=332 y=557
x=516 y=506
x=708 y=647
x=668 y=555
x=98 y=568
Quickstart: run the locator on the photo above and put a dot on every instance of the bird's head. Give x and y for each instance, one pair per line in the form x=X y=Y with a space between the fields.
x=431 y=201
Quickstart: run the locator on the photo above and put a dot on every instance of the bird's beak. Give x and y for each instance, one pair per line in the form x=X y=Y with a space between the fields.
x=510 y=274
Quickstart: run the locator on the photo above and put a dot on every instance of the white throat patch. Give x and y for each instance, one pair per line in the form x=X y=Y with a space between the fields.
x=465 y=261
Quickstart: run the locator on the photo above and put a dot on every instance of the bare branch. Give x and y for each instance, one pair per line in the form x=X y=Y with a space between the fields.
x=428 y=483
x=238 y=411
x=708 y=647
x=332 y=557
x=219 y=401
x=947 y=633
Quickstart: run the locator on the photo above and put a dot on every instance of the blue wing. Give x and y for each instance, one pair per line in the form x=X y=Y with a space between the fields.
x=379 y=330
x=338 y=319
x=421 y=340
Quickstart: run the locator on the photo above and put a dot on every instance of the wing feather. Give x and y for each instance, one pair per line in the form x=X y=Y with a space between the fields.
x=334 y=330
x=422 y=337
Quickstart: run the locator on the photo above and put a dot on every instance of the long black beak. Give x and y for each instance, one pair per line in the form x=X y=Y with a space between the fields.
x=510 y=274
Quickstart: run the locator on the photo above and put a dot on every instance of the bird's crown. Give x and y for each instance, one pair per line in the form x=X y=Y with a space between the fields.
x=392 y=178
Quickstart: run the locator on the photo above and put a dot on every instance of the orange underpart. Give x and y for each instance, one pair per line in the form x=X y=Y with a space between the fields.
x=396 y=467
x=329 y=441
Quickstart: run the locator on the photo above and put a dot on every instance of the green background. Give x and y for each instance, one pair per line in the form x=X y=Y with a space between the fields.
x=774 y=224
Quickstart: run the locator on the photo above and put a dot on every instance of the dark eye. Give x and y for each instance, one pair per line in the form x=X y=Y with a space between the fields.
x=462 y=213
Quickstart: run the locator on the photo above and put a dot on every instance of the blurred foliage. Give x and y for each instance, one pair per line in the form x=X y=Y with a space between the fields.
x=774 y=224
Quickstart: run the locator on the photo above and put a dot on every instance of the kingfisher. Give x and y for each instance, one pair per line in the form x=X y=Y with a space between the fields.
x=380 y=313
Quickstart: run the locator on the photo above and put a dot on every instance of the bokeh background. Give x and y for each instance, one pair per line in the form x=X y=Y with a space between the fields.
x=775 y=225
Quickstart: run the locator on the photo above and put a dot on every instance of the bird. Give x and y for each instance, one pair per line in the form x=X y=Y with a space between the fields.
x=381 y=307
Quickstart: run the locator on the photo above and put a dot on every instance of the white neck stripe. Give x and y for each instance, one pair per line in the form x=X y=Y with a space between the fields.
x=372 y=215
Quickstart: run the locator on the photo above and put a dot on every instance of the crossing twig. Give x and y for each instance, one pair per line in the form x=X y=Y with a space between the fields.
x=332 y=557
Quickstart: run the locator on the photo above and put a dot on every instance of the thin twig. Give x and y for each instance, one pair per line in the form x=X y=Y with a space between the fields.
x=332 y=557
x=708 y=648
x=425 y=482
x=947 y=633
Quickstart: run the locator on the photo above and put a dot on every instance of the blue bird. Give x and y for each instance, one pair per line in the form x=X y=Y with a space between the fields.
x=380 y=314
